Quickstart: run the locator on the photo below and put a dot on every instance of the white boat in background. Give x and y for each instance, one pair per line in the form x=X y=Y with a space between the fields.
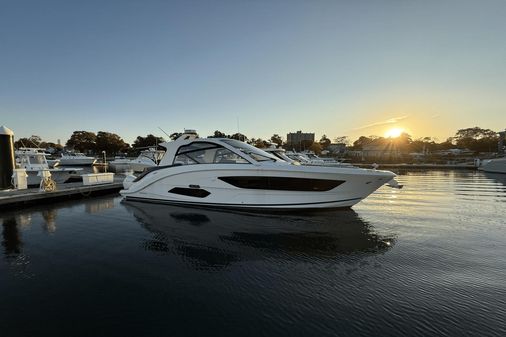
x=53 y=162
x=146 y=159
x=218 y=172
x=34 y=160
x=120 y=163
x=497 y=165
x=310 y=158
x=281 y=154
x=76 y=159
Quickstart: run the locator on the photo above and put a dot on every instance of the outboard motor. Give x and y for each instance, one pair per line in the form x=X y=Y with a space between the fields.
x=7 y=163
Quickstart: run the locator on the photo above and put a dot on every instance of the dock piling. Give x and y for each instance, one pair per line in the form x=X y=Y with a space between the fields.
x=7 y=163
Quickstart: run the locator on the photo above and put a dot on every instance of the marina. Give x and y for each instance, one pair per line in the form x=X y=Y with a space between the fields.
x=427 y=260
x=252 y=168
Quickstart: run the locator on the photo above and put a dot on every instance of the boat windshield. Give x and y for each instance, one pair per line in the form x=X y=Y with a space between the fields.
x=37 y=159
x=282 y=156
x=255 y=153
x=153 y=155
x=206 y=153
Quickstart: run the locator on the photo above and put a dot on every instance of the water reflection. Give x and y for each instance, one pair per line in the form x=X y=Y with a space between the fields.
x=24 y=220
x=49 y=216
x=211 y=239
x=98 y=205
x=11 y=237
x=12 y=243
x=498 y=177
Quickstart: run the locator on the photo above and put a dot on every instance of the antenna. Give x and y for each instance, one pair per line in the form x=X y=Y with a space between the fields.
x=164 y=132
x=31 y=141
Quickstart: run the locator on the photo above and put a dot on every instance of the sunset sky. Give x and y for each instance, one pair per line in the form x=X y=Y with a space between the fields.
x=261 y=67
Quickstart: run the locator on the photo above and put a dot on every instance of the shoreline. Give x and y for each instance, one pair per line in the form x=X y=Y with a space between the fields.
x=419 y=166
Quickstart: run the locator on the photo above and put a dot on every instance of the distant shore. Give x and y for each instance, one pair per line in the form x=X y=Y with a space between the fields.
x=419 y=166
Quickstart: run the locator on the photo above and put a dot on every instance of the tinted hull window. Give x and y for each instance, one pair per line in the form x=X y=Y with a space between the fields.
x=282 y=183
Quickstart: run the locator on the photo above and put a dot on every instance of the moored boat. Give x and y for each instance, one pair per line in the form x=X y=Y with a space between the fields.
x=76 y=159
x=220 y=172
x=146 y=159
x=496 y=165
x=33 y=160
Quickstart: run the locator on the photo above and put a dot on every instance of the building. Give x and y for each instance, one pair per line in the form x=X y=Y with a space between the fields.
x=299 y=137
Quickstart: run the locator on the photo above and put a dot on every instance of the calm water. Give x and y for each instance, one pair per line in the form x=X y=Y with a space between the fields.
x=428 y=260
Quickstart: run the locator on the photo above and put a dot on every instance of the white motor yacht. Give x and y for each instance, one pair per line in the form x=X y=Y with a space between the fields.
x=310 y=158
x=146 y=159
x=305 y=158
x=34 y=160
x=497 y=165
x=120 y=163
x=76 y=159
x=217 y=172
x=281 y=154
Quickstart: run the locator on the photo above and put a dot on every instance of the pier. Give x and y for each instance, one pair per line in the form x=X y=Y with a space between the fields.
x=16 y=198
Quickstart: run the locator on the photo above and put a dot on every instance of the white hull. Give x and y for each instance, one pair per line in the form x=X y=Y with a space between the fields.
x=119 y=165
x=140 y=167
x=355 y=185
x=59 y=176
x=130 y=165
x=494 y=165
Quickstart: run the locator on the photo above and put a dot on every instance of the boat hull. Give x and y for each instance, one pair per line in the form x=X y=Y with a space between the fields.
x=77 y=162
x=139 y=167
x=59 y=176
x=495 y=165
x=197 y=185
x=119 y=166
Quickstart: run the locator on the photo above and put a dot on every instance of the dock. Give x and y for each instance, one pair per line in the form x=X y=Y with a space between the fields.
x=17 y=198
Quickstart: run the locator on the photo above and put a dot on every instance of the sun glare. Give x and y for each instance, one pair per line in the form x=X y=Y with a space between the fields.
x=394 y=132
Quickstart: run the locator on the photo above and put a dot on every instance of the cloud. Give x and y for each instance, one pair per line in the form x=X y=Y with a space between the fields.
x=435 y=116
x=385 y=122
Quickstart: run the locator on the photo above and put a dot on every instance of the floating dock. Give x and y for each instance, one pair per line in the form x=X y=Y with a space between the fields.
x=17 y=198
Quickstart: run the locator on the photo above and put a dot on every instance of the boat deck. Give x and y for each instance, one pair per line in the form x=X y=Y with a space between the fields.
x=16 y=198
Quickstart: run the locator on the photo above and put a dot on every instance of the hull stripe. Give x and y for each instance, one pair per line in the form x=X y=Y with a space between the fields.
x=236 y=205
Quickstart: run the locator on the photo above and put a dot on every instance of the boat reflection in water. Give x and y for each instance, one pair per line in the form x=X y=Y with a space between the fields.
x=49 y=216
x=498 y=177
x=210 y=239
x=97 y=205
x=12 y=242
x=13 y=226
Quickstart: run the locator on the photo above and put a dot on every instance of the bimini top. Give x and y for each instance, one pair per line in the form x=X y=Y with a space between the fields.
x=188 y=149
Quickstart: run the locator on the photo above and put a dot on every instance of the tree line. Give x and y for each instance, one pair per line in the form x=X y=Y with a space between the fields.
x=91 y=143
x=475 y=139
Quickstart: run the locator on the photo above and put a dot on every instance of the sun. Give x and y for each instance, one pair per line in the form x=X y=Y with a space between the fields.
x=394 y=132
